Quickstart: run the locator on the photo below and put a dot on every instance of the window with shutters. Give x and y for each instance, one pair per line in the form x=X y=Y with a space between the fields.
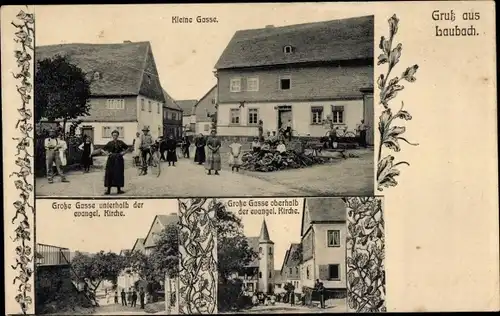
x=338 y=114
x=333 y=272
x=316 y=114
x=333 y=238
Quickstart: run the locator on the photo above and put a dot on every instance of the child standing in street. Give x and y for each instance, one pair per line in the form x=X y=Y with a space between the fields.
x=235 y=155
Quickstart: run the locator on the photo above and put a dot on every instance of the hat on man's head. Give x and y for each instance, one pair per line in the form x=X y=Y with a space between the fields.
x=145 y=128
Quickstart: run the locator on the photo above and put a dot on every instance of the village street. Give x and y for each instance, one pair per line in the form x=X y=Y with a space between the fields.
x=332 y=306
x=352 y=176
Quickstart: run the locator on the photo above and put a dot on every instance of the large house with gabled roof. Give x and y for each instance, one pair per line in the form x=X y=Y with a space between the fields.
x=323 y=239
x=304 y=75
x=290 y=269
x=146 y=245
x=172 y=117
x=126 y=93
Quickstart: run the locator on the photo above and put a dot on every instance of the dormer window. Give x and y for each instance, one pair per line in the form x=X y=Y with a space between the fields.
x=288 y=49
x=97 y=75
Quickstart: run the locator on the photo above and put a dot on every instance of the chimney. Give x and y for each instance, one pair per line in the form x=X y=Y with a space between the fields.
x=269 y=26
x=127 y=41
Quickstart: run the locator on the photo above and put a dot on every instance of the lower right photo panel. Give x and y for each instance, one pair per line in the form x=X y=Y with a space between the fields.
x=300 y=255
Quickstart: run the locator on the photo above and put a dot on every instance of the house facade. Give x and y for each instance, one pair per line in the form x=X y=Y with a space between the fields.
x=291 y=267
x=127 y=277
x=172 y=117
x=126 y=93
x=203 y=111
x=323 y=232
x=188 y=118
x=303 y=75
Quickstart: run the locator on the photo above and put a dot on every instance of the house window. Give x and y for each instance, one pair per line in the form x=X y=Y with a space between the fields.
x=142 y=105
x=285 y=83
x=106 y=132
x=115 y=104
x=174 y=116
x=206 y=127
x=270 y=274
x=235 y=85
x=270 y=251
x=158 y=108
x=334 y=272
x=333 y=238
x=260 y=275
x=149 y=106
x=317 y=114
x=297 y=270
x=253 y=116
x=288 y=49
x=290 y=270
x=260 y=249
x=338 y=114
x=159 y=130
x=308 y=275
x=120 y=130
x=253 y=84
x=235 y=116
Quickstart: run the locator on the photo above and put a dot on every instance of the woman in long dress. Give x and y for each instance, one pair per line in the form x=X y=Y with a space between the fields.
x=115 y=168
x=213 y=154
x=87 y=149
x=171 y=146
x=199 y=155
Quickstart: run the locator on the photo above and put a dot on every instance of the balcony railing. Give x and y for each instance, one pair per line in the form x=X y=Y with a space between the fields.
x=52 y=255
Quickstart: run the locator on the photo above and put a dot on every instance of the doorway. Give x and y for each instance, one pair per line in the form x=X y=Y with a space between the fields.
x=368 y=116
x=88 y=131
x=284 y=116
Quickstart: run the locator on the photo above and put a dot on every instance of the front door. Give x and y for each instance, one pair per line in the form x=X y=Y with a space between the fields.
x=284 y=115
x=88 y=131
x=369 y=117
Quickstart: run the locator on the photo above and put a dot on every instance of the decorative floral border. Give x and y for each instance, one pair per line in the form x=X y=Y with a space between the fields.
x=198 y=251
x=390 y=136
x=24 y=39
x=365 y=258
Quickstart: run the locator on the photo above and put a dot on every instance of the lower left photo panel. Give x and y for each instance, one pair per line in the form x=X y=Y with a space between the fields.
x=101 y=257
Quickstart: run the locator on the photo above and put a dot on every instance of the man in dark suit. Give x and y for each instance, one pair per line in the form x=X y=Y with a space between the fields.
x=141 y=297
x=124 y=299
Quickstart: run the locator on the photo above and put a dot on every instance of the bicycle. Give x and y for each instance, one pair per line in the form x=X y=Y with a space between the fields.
x=153 y=162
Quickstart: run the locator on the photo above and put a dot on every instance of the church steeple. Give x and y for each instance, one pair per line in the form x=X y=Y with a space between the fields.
x=264 y=233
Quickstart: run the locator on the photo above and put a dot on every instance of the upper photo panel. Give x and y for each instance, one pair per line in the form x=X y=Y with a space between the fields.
x=227 y=101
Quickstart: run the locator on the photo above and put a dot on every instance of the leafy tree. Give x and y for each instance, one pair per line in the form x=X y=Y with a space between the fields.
x=61 y=90
x=297 y=254
x=164 y=260
x=233 y=251
x=98 y=267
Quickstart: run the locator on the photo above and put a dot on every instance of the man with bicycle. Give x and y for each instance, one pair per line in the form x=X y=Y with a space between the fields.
x=146 y=144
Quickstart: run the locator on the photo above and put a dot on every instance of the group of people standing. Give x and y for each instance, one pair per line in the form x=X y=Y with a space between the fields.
x=208 y=152
x=130 y=298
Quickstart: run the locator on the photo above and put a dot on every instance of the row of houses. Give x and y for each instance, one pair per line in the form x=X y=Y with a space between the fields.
x=304 y=75
x=322 y=252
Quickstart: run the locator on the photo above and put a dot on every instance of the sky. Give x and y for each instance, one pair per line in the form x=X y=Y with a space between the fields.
x=61 y=228
x=283 y=229
x=185 y=54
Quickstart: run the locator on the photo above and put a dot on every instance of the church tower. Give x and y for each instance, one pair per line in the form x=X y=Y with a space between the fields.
x=266 y=260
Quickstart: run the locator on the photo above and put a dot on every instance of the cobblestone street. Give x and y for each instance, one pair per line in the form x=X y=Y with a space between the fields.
x=353 y=176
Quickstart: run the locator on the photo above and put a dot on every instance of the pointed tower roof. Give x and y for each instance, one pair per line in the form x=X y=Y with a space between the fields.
x=264 y=233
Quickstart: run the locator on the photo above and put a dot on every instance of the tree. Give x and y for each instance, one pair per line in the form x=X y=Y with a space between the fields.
x=233 y=251
x=98 y=267
x=297 y=254
x=61 y=90
x=164 y=260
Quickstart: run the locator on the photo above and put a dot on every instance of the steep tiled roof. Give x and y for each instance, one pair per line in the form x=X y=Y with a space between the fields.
x=278 y=277
x=187 y=106
x=170 y=102
x=336 y=40
x=326 y=209
x=202 y=107
x=165 y=220
x=291 y=261
x=121 y=65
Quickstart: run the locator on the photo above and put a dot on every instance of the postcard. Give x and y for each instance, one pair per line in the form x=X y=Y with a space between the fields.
x=250 y=158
